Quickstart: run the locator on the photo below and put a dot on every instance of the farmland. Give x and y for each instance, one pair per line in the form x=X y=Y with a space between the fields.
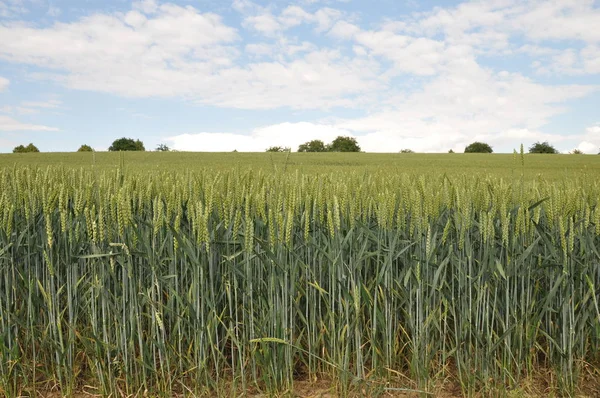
x=549 y=167
x=205 y=274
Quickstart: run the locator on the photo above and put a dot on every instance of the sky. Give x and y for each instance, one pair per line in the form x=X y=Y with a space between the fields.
x=222 y=75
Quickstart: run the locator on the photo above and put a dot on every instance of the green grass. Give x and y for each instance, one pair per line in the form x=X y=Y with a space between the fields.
x=548 y=167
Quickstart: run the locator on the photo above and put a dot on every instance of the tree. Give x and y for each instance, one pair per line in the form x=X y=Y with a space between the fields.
x=25 y=149
x=450 y=151
x=85 y=148
x=278 y=149
x=127 y=144
x=313 y=146
x=542 y=147
x=344 y=144
x=478 y=147
x=162 y=148
x=407 y=151
x=576 y=151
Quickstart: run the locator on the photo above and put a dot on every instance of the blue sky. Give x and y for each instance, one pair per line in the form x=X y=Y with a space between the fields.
x=222 y=75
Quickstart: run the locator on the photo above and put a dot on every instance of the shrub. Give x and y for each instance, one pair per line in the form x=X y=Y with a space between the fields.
x=25 y=149
x=344 y=144
x=542 y=147
x=127 y=144
x=313 y=146
x=278 y=149
x=478 y=147
x=85 y=148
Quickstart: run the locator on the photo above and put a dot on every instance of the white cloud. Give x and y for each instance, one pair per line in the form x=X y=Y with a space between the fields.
x=116 y=53
x=590 y=140
x=31 y=107
x=53 y=11
x=244 y=6
x=49 y=104
x=259 y=49
x=488 y=26
x=591 y=59
x=466 y=103
x=284 y=50
x=310 y=2
x=12 y=8
x=9 y=124
x=180 y=52
x=293 y=16
x=420 y=79
x=594 y=131
x=319 y=79
x=264 y=23
x=588 y=147
x=3 y=83
x=571 y=62
x=284 y=135
x=263 y=20
x=421 y=56
x=418 y=56
x=325 y=18
x=438 y=138
x=344 y=30
x=17 y=110
x=535 y=50
x=146 y=6
x=561 y=19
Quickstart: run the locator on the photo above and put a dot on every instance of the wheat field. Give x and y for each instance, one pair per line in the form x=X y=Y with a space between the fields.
x=121 y=277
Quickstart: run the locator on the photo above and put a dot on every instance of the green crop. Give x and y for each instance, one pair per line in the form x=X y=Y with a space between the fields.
x=219 y=280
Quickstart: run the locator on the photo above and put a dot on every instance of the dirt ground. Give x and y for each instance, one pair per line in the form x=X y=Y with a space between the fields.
x=542 y=385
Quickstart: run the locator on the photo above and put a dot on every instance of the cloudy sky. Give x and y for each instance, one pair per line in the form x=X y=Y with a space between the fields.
x=219 y=75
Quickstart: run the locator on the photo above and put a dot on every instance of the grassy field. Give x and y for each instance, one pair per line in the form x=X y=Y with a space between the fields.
x=166 y=274
x=548 y=167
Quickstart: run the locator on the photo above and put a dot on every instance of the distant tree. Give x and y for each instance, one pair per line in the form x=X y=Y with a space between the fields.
x=278 y=149
x=407 y=151
x=313 y=146
x=344 y=144
x=85 y=148
x=25 y=149
x=542 y=147
x=450 y=151
x=478 y=147
x=162 y=148
x=127 y=144
x=576 y=151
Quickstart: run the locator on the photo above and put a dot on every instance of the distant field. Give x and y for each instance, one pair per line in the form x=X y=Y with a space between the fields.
x=549 y=167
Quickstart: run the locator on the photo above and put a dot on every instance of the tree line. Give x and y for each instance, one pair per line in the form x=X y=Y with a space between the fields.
x=120 y=144
x=340 y=144
x=349 y=144
x=538 y=147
